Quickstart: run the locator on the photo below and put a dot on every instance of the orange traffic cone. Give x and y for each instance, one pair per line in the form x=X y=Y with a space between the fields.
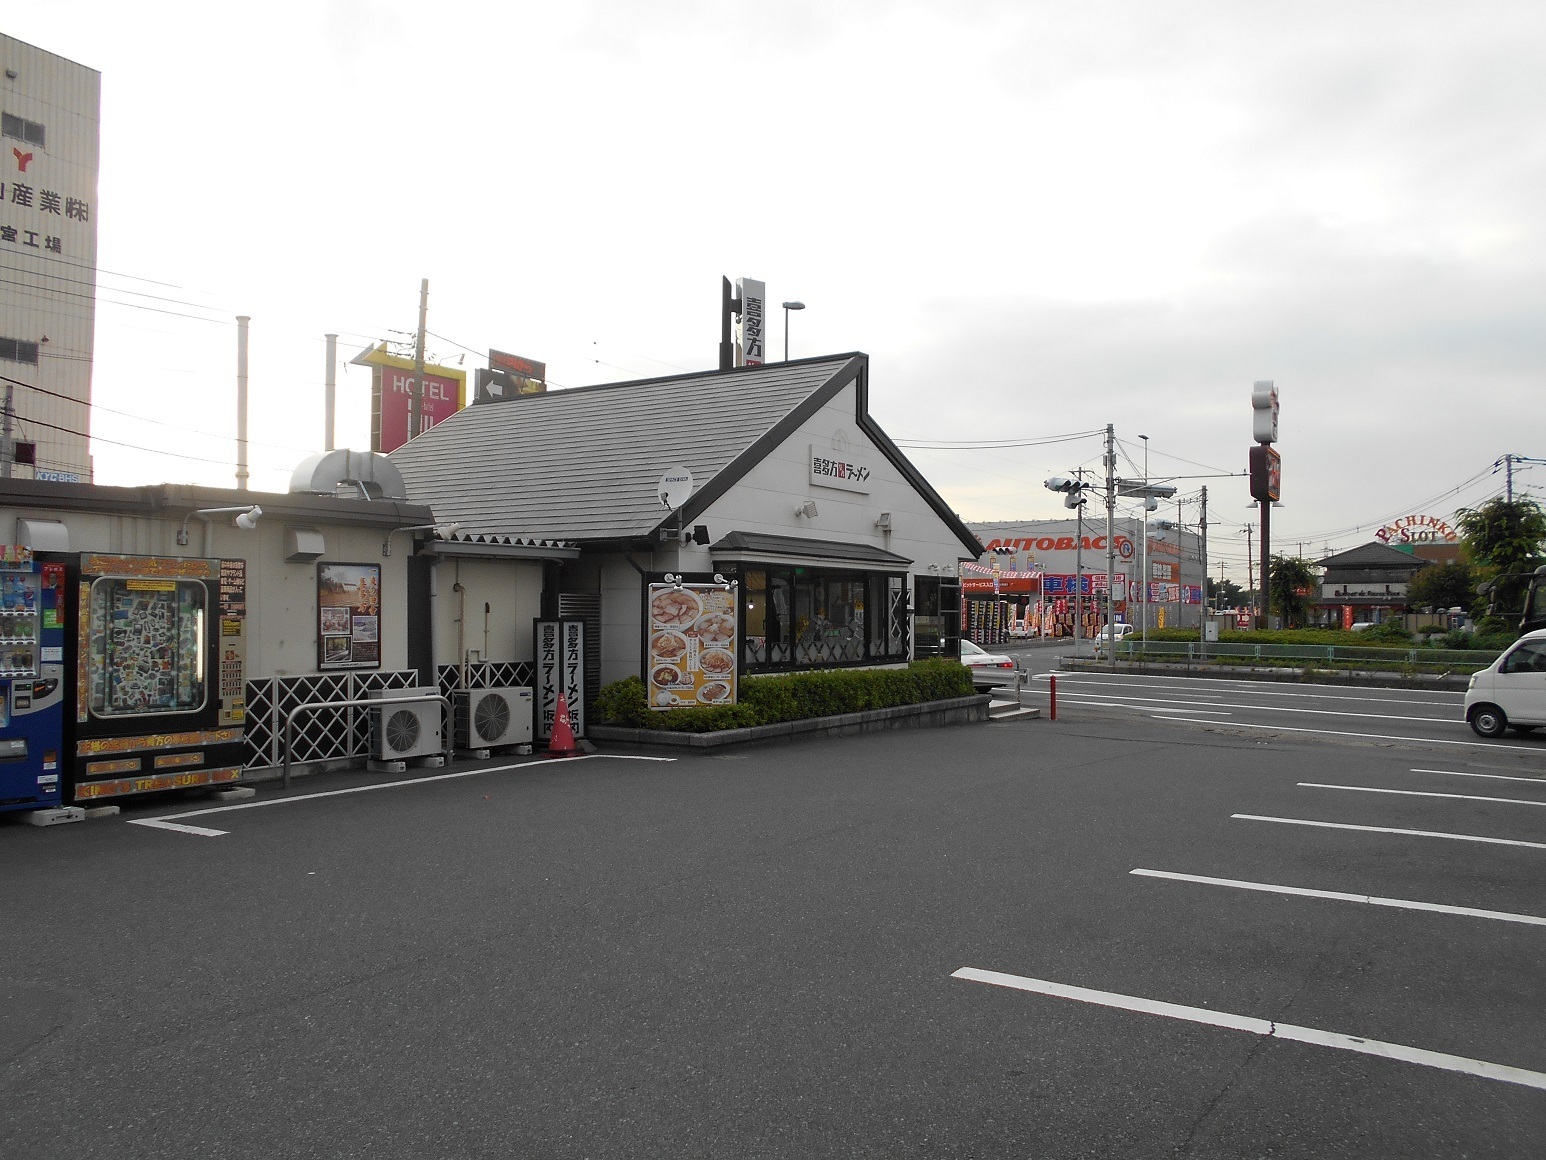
x=561 y=744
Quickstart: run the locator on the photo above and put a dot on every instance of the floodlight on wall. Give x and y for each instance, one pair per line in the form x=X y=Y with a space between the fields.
x=247 y=519
x=444 y=531
x=883 y=521
x=807 y=509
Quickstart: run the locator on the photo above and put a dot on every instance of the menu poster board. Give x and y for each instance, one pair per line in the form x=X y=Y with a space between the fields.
x=233 y=643
x=691 y=645
x=560 y=669
x=348 y=616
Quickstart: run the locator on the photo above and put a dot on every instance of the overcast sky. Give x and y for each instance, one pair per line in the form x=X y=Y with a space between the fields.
x=1037 y=218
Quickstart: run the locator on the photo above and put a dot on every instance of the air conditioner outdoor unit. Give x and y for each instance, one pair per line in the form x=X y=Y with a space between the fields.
x=488 y=717
x=399 y=731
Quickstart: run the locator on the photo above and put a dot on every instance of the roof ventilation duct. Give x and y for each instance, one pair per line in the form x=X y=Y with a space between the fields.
x=348 y=474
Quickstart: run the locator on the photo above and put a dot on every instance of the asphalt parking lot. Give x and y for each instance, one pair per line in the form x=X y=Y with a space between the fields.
x=1107 y=936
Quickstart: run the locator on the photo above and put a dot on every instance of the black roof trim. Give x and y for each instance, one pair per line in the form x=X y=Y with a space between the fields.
x=766 y=544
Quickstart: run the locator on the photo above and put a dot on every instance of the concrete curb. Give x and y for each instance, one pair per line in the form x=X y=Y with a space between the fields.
x=928 y=715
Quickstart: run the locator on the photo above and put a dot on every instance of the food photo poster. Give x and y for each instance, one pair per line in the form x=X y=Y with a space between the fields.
x=690 y=653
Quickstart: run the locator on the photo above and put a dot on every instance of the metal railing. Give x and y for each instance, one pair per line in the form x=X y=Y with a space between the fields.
x=1195 y=651
x=368 y=703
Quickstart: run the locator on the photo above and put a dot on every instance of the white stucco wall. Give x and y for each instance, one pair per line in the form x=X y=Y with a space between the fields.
x=513 y=592
x=281 y=596
x=765 y=499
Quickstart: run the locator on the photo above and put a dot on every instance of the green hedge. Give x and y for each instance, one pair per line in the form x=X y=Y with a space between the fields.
x=769 y=700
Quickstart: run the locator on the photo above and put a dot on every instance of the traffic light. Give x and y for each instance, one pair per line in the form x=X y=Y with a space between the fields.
x=1073 y=490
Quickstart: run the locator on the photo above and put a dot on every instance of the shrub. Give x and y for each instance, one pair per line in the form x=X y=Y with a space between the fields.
x=1387 y=632
x=768 y=700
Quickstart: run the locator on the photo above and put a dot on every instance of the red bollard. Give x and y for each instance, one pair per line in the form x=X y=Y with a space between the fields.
x=1052 y=697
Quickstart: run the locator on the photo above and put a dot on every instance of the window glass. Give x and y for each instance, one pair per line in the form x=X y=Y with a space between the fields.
x=1529 y=657
x=146 y=648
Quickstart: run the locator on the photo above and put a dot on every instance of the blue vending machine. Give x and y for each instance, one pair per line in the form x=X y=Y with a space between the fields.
x=31 y=680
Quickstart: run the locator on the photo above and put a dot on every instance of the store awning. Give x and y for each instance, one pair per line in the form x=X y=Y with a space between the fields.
x=761 y=548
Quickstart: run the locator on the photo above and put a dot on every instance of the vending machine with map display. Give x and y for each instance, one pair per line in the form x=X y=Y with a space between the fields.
x=157 y=699
x=32 y=681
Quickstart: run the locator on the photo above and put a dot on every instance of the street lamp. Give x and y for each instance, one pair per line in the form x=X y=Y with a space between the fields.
x=788 y=306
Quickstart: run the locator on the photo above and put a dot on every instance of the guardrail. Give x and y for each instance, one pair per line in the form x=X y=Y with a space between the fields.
x=367 y=703
x=1195 y=651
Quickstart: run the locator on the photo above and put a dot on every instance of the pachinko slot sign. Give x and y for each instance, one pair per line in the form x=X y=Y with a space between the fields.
x=691 y=647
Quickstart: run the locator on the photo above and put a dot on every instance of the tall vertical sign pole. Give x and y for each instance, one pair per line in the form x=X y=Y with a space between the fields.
x=241 y=401
x=416 y=396
x=1264 y=429
x=1111 y=538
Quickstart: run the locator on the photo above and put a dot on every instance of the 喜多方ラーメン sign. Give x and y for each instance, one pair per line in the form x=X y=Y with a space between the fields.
x=840 y=469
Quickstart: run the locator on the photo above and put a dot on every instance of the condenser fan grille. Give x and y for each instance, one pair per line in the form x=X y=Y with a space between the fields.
x=401 y=730
x=491 y=718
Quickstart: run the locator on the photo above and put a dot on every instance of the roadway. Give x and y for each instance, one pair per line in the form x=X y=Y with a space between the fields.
x=1123 y=933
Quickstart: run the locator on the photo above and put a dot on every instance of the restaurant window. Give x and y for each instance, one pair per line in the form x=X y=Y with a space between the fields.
x=937 y=616
x=809 y=618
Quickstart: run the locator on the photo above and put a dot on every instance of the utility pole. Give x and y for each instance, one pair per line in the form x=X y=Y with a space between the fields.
x=1078 y=559
x=241 y=401
x=1111 y=543
x=331 y=388
x=1202 y=549
x=416 y=396
x=7 y=448
x=1250 y=583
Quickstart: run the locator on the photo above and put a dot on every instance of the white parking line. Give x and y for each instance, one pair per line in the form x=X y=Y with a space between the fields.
x=1390 y=830
x=1541 y=781
x=1267 y=1028
x=170 y=821
x=1462 y=797
x=159 y=824
x=1338 y=896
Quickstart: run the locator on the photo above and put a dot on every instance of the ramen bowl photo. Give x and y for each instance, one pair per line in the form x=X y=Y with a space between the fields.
x=718 y=662
x=675 y=607
x=668 y=646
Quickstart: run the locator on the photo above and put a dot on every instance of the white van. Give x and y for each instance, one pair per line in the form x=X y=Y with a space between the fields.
x=1511 y=693
x=1112 y=634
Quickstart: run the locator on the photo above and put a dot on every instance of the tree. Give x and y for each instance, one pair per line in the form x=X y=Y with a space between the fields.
x=1504 y=537
x=1293 y=581
x=1441 y=586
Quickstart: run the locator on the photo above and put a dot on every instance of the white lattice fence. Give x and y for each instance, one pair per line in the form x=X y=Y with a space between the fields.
x=321 y=735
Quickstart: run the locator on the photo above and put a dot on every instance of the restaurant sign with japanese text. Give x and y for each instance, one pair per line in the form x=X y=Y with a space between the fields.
x=840 y=469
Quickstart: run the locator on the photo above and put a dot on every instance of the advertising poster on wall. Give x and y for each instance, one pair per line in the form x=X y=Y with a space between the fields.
x=348 y=616
x=691 y=645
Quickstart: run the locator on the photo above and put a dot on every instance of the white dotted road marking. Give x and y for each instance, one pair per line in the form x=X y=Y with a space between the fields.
x=1270 y=1029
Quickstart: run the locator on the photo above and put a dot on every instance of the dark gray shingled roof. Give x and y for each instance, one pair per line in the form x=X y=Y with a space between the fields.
x=583 y=465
